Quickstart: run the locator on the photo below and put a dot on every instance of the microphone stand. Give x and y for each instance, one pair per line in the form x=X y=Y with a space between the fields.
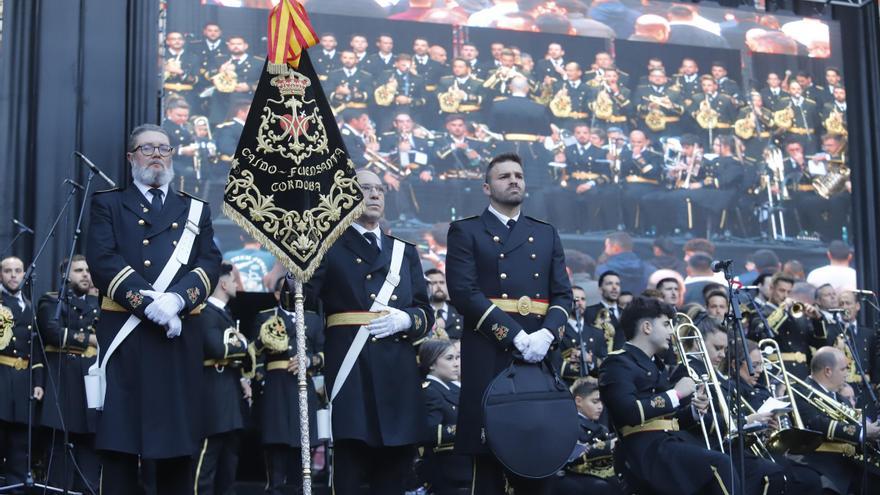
x=734 y=317
x=580 y=331
x=28 y=280
x=6 y=250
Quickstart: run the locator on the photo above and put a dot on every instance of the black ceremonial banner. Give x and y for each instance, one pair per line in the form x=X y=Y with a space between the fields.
x=292 y=186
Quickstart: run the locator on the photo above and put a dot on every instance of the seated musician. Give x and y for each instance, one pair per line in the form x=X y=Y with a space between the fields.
x=580 y=335
x=648 y=411
x=593 y=471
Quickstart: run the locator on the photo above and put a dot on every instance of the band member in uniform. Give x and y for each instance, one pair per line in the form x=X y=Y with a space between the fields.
x=470 y=54
x=723 y=181
x=211 y=52
x=571 y=97
x=327 y=59
x=444 y=471
x=358 y=135
x=610 y=103
x=864 y=342
x=833 y=114
x=605 y=315
x=462 y=92
x=687 y=81
x=222 y=391
x=754 y=127
x=176 y=124
x=236 y=77
x=817 y=213
x=158 y=366
x=350 y=86
x=358 y=46
x=593 y=471
x=181 y=68
x=409 y=153
x=581 y=334
x=430 y=72
x=378 y=415
x=381 y=61
x=659 y=108
x=229 y=132
x=796 y=117
x=648 y=411
x=771 y=94
x=603 y=62
x=839 y=473
x=70 y=345
x=712 y=112
x=586 y=186
x=275 y=344
x=498 y=82
x=507 y=277
x=448 y=322
x=457 y=161
x=726 y=85
x=809 y=90
x=794 y=331
x=653 y=64
x=553 y=64
x=399 y=90
x=641 y=168
x=17 y=315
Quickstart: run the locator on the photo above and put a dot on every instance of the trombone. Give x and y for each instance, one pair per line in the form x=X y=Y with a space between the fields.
x=687 y=334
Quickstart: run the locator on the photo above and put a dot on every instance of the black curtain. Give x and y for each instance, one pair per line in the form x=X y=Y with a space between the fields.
x=74 y=75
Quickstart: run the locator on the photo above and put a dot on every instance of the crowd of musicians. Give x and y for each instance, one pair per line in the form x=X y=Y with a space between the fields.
x=762 y=158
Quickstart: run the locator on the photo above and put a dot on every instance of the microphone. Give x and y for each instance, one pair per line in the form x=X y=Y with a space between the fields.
x=855 y=291
x=721 y=265
x=75 y=184
x=94 y=168
x=23 y=227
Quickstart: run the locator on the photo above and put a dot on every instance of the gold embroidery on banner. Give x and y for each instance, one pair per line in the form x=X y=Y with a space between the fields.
x=296 y=141
x=273 y=333
x=7 y=322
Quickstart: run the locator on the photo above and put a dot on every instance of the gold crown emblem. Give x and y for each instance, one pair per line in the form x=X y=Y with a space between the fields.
x=292 y=84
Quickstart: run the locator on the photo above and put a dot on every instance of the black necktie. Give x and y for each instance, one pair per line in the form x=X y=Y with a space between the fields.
x=373 y=240
x=511 y=223
x=440 y=315
x=156 y=203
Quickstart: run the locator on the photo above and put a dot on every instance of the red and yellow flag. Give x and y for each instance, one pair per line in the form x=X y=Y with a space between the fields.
x=290 y=32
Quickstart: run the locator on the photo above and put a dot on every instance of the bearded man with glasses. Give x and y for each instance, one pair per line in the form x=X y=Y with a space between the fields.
x=154 y=261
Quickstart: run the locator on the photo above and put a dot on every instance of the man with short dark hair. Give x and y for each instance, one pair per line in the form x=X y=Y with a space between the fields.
x=837 y=272
x=507 y=277
x=609 y=319
x=247 y=74
x=671 y=290
x=581 y=334
x=864 y=341
x=152 y=256
x=699 y=275
x=648 y=411
x=448 y=322
x=350 y=87
x=633 y=272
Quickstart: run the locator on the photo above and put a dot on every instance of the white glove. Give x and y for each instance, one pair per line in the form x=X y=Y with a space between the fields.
x=539 y=344
x=395 y=321
x=174 y=327
x=521 y=341
x=165 y=306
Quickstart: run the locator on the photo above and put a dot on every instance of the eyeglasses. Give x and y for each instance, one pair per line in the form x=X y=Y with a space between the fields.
x=150 y=149
x=369 y=189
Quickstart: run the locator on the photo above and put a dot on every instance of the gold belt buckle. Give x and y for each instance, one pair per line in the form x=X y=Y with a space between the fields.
x=524 y=305
x=20 y=364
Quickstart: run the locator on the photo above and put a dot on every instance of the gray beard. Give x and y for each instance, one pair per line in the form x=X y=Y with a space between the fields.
x=146 y=176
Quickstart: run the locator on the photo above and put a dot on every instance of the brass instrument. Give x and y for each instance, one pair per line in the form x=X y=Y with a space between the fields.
x=774 y=369
x=853 y=373
x=745 y=127
x=603 y=322
x=693 y=167
x=656 y=119
x=560 y=105
x=603 y=106
x=227 y=79
x=684 y=333
x=377 y=160
x=385 y=93
x=7 y=322
x=834 y=181
x=545 y=95
x=172 y=64
x=450 y=100
x=706 y=116
x=501 y=75
x=784 y=119
x=834 y=124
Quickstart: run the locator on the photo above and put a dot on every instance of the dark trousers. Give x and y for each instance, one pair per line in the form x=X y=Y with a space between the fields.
x=215 y=466
x=580 y=483
x=384 y=469
x=119 y=475
x=81 y=473
x=283 y=469
x=491 y=478
x=13 y=448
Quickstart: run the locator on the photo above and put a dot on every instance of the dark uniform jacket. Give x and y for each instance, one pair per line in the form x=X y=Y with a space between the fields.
x=453 y=322
x=647 y=168
x=634 y=389
x=794 y=336
x=325 y=62
x=723 y=105
x=375 y=64
x=688 y=89
x=580 y=99
x=223 y=360
x=519 y=115
x=442 y=466
x=590 y=316
x=15 y=388
x=646 y=95
x=190 y=64
x=829 y=108
x=431 y=71
x=68 y=357
x=806 y=115
x=584 y=163
x=209 y=59
x=408 y=84
x=594 y=342
x=447 y=156
x=360 y=83
x=487 y=260
x=597 y=460
x=621 y=106
x=473 y=89
x=279 y=397
x=149 y=407
x=355 y=145
x=227 y=136
x=771 y=100
x=247 y=70
x=730 y=88
x=545 y=67
x=380 y=400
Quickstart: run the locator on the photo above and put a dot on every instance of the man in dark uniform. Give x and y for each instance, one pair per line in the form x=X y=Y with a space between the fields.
x=457 y=161
x=410 y=153
x=399 y=90
x=355 y=132
x=349 y=86
x=809 y=90
x=468 y=90
x=754 y=127
x=181 y=68
x=507 y=277
x=835 y=109
x=497 y=85
x=587 y=187
x=176 y=124
x=865 y=343
x=603 y=62
x=641 y=168
x=378 y=416
x=15 y=342
x=610 y=102
x=687 y=81
x=247 y=74
x=222 y=389
x=577 y=329
x=553 y=64
x=578 y=94
x=381 y=61
x=800 y=119
x=70 y=346
x=773 y=92
x=840 y=473
x=327 y=59
x=212 y=52
x=430 y=71
x=609 y=319
x=229 y=132
x=659 y=109
x=723 y=181
x=448 y=322
x=275 y=344
x=158 y=367
x=726 y=85
x=795 y=336
x=648 y=412
x=712 y=112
